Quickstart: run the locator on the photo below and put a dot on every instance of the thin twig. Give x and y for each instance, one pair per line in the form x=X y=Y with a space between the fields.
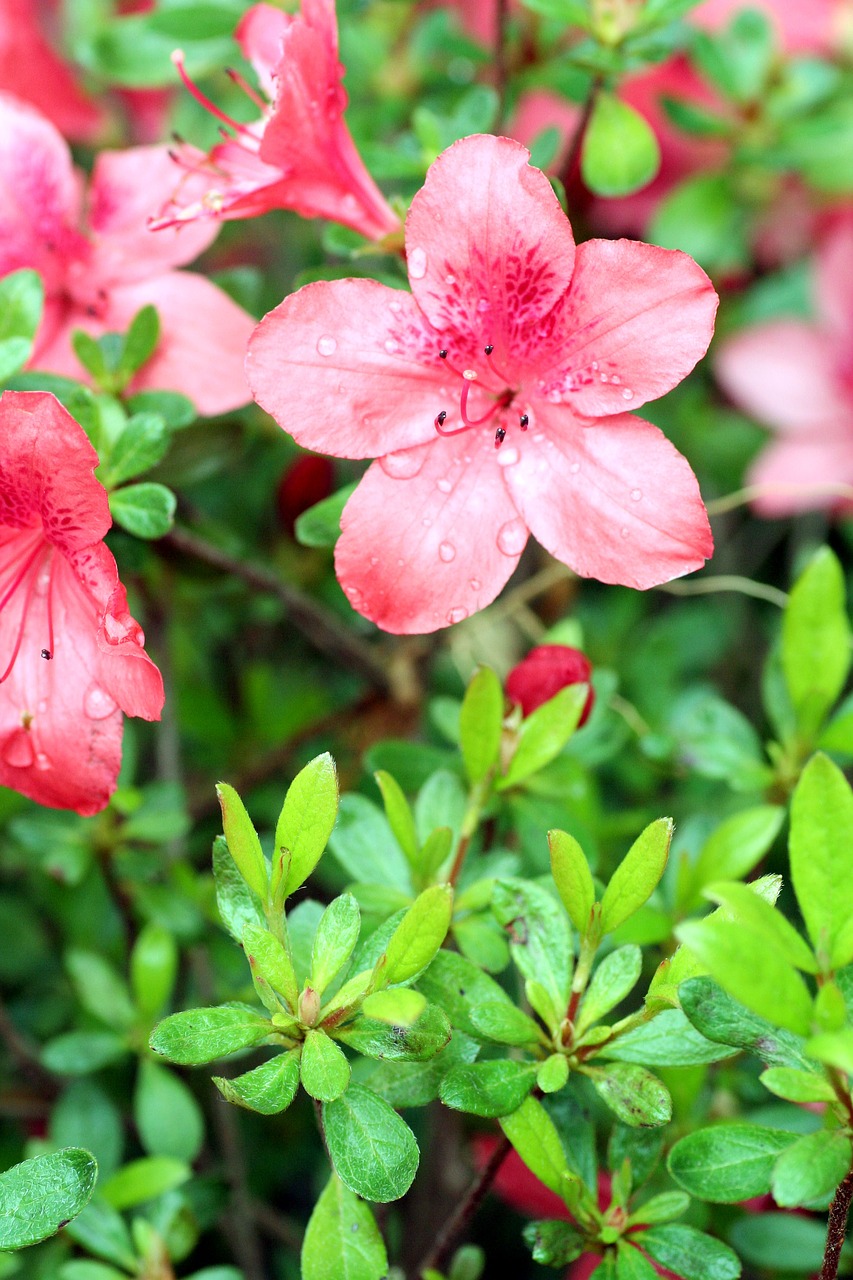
x=574 y=152
x=836 y=1228
x=458 y=1221
x=278 y=1226
x=726 y=582
x=319 y=626
x=742 y=497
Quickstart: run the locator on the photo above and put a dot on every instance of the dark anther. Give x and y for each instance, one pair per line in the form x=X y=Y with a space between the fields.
x=489 y=349
x=440 y=420
x=500 y=435
x=523 y=421
x=442 y=355
x=46 y=654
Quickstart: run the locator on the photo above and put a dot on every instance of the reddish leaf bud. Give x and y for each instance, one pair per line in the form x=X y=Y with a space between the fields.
x=544 y=672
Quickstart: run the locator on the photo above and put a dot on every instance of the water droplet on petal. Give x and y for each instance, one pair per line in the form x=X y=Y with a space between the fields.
x=18 y=749
x=575 y=468
x=444 y=485
x=417 y=261
x=426 y=522
x=447 y=552
x=636 y=495
x=374 y=560
x=43 y=581
x=623 y=532
x=457 y=615
x=42 y=707
x=475 y=584
x=97 y=703
x=391 y=346
x=507 y=457
x=43 y=761
x=627 y=393
x=512 y=537
x=396 y=307
x=327 y=345
x=450 y=278
x=404 y=464
x=615 y=379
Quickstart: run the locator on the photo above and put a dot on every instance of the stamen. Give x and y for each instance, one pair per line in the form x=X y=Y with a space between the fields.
x=178 y=61
x=46 y=654
x=30 y=588
x=440 y=420
x=470 y=376
x=524 y=422
x=442 y=355
x=500 y=436
x=495 y=370
x=242 y=83
x=489 y=349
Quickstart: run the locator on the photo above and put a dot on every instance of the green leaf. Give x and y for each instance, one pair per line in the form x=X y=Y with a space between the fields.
x=86 y=1113
x=418 y=936
x=342 y=1238
x=737 y=846
x=637 y=876
x=324 y=1069
x=39 y=1196
x=21 y=303
x=307 y=818
x=196 y=1036
x=399 y=814
x=76 y=1053
x=821 y=852
x=141 y=340
x=80 y=1269
x=811 y=1168
x=752 y=969
x=669 y=1040
x=713 y=1012
x=414 y=1084
x=503 y=1022
x=553 y=1243
x=373 y=1151
x=760 y=918
x=481 y=724
x=146 y=510
x=614 y=979
x=620 y=152
x=238 y=905
x=242 y=838
x=539 y=934
x=399 y=1007
x=153 y=968
x=727 y=1162
x=379 y=1039
x=100 y=989
x=631 y=1264
x=661 y=1208
x=552 y=1074
x=572 y=877
x=544 y=733
x=798 y=1086
x=488 y=1088
x=320 y=525
x=334 y=941
x=636 y=1096
x=780 y=1243
x=531 y=1131
x=271 y=965
x=101 y=1230
x=703 y=216
x=168 y=1118
x=835 y=1048
x=690 y=1253
x=142 y=443
x=176 y=410
x=816 y=642
x=461 y=989
x=143 y=1180
x=481 y=940
x=364 y=845
x=267 y=1089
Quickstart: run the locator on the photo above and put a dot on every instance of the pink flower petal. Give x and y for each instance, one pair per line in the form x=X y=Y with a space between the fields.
x=425 y=550
x=783 y=373
x=801 y=24
x=126 y=186
x=614 y=501
x=804 y=472
x=351 y=368
x=489 y=249
x=834 y=285
x=259 y=34
x=31 y=70
x=634 y=323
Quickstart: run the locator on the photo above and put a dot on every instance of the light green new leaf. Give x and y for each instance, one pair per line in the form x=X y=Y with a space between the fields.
x=612 y=981
x=544 y=733
x=798 y=1086
x=637 y=876
x=196 y=1036
x=811 y=1168
x=147 y=510
x=399 y=1007
x=324 y=1069
x=481 y=724
x=21 y=303
x=401 y=820
x=620 y=152
x=572 y=877
x=242 y=838
x=143 y=1180
x=342 y=1238
x=334 y=941
x=816 y=641
x=39 y=1196
x=373 y=1151
x=737 y=845
x=269 y=961
x=419 y=934
x=821 y=851
x=762 y=919
x=168 y=1118
x=307 y=818
x=267 y=1089
x=531 y=1131
x=728 y=1162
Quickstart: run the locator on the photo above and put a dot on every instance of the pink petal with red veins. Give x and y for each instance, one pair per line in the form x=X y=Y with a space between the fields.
x=489 y=249
x=834 y=284
x=39 y=194
x=804 y=473
x=784 y=374
x=47 y=473
x=259 y=34
x=350 y=368
x=127 y=186
x=426 y=548
x=614 y=501
x=634 y=323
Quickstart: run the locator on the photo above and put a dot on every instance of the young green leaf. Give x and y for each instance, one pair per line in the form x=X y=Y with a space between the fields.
x=572 y=877
x=481 y=724
x=816 y=641
x=168 y=1118
x=811 y=1168
x=821 y=852
x=637 y=876
x=636 y=1096
x=798 y=1086
x=269 y=961
x=307 y=818
x=334 y=941
x=419 y=935
x=153 y=968
x=399 y=1007
x=462 y=990
x=100 y=990
x=238 y=905
x=737 y=845
x=342 y=1238
x=544 y=733
x=552 y=1074
x=142 y=1180
x=631 y=1264
x=669 y=1040
x=689 y=1253
x=242 y=838
x=147 y=510
x=21 y=303
x=539 y=935
x=196 y=1036
x=503 y=1022
x=728 y=1162
x=757 y=915
x=488 y=1088
x=401 y=820
x=531 y=1131
x=267 y=1089
x=141 y=340
x=661 y=1208
x=373 y=1151
x=320 y=525
x=324 y=1069
x=141 y=444
x=620 y=152
x=553 y=1243
x=616 y=976
x=40 y=1195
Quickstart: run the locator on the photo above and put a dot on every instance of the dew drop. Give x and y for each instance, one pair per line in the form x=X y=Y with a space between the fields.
x=327 y=345
x=97 y=703
x=537 y=438
x=396 y=307
x=512 y=537
x=402 y=465
x=391 y=346
x=447 y=552
x=43 y=761
x=594 y=365
x=43 y=581
x=627 y=393
x=575 y=468
x=417 y=260
x=374 y=560
x=615 y=379
x=450 y=278
x=623 y=532
x=507 y=457
x=42 y=707
x=636 y=495
x=444 y=485
x=475 y=584
x=457 y=615
x=426 y=522
x=18 y=749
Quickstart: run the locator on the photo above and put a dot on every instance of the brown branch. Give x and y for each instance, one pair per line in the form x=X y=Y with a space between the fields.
x=500 y=61
x=836 y=1228
x=319 y=626
x=574 y=152
x=458 y=1221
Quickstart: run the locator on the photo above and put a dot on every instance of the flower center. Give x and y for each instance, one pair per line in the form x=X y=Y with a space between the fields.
x=502 y=400
x=30 y=570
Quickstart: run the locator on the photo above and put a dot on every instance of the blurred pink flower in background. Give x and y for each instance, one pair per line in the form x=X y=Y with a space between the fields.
x=71 y=656
x=98 y=275
x=510 y=333
x=31 y=69
x=300 y=154
x=797 y=377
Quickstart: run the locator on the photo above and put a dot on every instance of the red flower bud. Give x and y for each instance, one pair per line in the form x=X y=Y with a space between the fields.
x=544 y=672
x=307 y=480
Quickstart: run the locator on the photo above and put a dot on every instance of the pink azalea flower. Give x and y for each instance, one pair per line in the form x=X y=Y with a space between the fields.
x=100 y=272
x=31 y=70
x=802 y=25
x=511 y=336
x=71 y=656
x=300 y=154
x=797 y=377
x=546 y=670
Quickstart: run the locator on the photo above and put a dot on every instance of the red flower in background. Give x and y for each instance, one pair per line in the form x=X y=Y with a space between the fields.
x=30 y=69
x=71 y=656
x=300 y=154
x=97 y=278
x=544 y=672
x=510 y=333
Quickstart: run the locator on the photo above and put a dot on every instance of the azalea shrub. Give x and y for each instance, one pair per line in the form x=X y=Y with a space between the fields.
x=426 y=465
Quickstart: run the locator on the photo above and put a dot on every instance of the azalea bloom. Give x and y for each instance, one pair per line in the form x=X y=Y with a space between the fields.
x=30 y=69
x=71 y=656
x=797 y=377
x=544 y=672
x=512 y=336
x=300 y=154
x=99 y=272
